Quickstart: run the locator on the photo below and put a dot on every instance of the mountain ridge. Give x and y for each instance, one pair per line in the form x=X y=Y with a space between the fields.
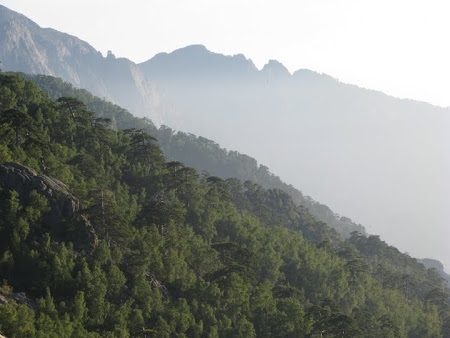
x=6 y=15
x=297 y=75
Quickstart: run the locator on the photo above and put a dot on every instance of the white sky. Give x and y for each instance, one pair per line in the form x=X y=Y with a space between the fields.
x=396 y=46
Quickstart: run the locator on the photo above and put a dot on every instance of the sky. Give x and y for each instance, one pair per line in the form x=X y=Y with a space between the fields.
x=399 y=47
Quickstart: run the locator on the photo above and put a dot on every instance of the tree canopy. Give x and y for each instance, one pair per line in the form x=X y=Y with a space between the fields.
x=179 y=253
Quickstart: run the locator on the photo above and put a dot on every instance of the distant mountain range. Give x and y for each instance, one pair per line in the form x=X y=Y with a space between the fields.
x=381 y=160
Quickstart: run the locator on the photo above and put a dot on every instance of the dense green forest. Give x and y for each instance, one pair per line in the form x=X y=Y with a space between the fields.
x=106 y=237
x=197 y=152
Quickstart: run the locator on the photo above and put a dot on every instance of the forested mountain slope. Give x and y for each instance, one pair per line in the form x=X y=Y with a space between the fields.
x=154 y=248
x=357 y=150
x=197 y=152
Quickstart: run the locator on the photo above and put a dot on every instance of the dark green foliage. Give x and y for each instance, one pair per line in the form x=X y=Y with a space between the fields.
x=180 y=254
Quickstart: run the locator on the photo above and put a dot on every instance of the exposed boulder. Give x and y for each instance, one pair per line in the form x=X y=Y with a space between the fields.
x=14 y=176
x=19 y=298
x=64 y=207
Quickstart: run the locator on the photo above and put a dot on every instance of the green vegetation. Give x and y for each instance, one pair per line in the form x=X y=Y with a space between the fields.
x=196 y=152
x=178 y=253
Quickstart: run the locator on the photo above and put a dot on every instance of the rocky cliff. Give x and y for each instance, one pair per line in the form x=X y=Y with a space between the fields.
x=64 y=207
x=28 y=48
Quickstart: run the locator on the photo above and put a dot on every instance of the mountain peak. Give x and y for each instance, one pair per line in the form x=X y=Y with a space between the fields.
x=6 y=13
x=192 y=49
x=9 y=16
x=274 y=66
x=194 y=60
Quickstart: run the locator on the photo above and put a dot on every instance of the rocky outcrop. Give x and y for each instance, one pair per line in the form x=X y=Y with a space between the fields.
x=64 y=207
x=19 y=298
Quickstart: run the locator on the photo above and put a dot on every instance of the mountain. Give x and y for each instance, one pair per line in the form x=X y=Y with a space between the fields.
x=381 y=160
x=26 y=47
x=101 y=236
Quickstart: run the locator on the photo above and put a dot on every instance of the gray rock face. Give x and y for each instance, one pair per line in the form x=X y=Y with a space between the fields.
x=64 y=207
x=26 y=47
x=19 y=298
x=23 y=179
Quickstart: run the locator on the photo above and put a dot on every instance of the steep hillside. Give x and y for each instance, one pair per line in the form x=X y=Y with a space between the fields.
x=176 y=253
x=197 y=152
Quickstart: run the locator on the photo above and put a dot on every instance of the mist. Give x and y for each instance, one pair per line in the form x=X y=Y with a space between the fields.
x=382 y=161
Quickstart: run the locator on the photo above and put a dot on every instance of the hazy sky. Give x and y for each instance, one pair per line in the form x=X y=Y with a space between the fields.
x=400 y=47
